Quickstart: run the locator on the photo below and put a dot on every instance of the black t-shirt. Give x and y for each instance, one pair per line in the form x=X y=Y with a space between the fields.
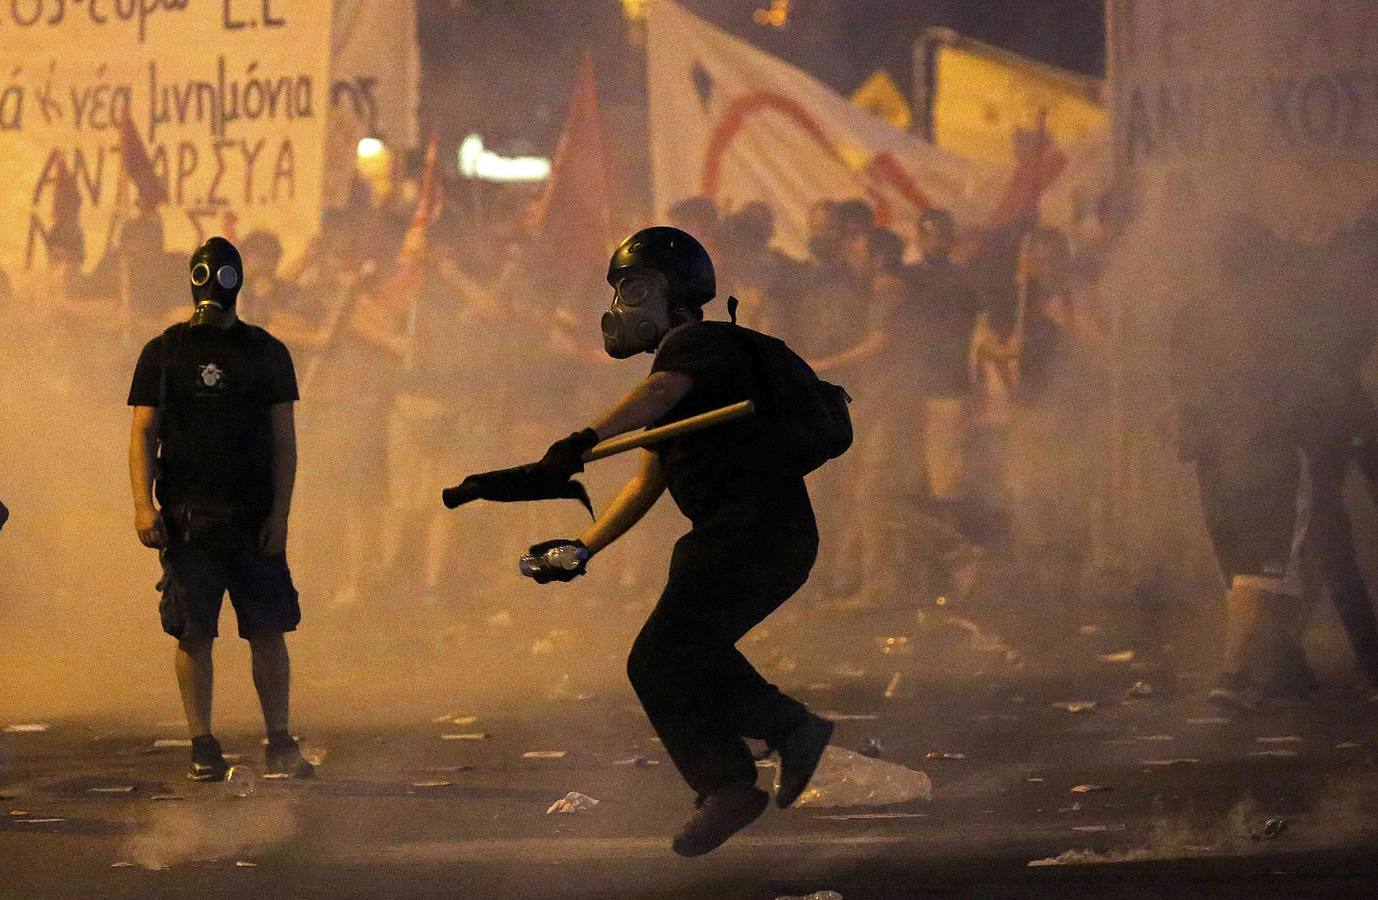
x=216 y=435
x=931 y=330
x=726 y=470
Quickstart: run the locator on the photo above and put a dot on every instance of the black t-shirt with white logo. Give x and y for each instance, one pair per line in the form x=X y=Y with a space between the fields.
x=726 y=470
x=216 y=434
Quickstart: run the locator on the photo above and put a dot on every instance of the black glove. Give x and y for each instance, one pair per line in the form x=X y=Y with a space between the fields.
x=565 y=458
x=536 y=565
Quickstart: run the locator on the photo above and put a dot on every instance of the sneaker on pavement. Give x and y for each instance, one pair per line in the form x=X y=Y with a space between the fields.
x=207 y=760
x=799 y=756
x=720 y=815
x=283 y=759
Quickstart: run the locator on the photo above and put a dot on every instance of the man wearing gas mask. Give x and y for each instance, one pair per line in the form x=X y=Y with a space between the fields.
x=213 y=427
x=752 y=543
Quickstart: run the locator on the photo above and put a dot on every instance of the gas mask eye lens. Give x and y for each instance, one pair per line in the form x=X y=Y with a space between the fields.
x=227 y=277
x=635 y=291
x=200 y=274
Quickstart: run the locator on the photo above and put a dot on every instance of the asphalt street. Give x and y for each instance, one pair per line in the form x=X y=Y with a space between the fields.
x=1034 y=794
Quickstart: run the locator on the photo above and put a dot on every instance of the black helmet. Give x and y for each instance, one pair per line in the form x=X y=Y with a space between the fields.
x=674 y=254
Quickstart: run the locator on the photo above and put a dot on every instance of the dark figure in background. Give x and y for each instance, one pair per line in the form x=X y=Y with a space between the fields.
x=1337 y=327
x=1246 y=416
x=752 y=544
x=265 y=296
x=213 y=417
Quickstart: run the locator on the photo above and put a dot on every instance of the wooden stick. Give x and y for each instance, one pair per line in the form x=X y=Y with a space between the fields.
x=632 y=441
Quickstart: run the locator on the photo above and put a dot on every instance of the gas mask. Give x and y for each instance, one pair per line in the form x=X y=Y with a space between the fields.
x=639 y=317
x=216 y=275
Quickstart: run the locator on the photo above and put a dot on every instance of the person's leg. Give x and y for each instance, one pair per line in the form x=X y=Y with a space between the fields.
x=195 y=681
x=272 y=670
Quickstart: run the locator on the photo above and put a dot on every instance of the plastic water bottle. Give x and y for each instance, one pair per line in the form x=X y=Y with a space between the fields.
x=566 y=556
x=240 y=781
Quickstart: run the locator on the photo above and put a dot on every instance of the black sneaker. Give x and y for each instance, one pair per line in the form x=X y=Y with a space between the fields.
x=799 y=758
x=283 y=759
x=207 y=760
x=721 y=814
x=1236 y=691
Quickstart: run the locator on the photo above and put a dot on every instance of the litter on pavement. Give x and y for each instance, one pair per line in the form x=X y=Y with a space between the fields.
x=571 y=803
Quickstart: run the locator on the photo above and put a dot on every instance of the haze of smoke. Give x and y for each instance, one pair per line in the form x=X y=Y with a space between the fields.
x=177 y=833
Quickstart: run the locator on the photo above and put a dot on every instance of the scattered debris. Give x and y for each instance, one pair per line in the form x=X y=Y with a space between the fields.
x=38 y=821
x=432 y=783
x=245 y=864
x=848 y=717
x=1076 y=706
x=816 y=895
x=637 y=762
x=896 y=645
x=1278 y=754
x=1175 y=761
x=848 y=670
x=872 y=748
x=1088 y=630
x=545 y=754
x=314 y=755
x=467 y=736
x=1090 y=789
x=1285 y=739
x=1209 y=720
x=896 y=689
x=443 y=720
x=122 y=865
x=859 y=817
x=463 y=721
x=240 y=781
x=1034 y=780
x=116 y=789
x=1271 y=829
x=572 y=802
x=1075 y=807
x=1119 y=656
x=1097 y=829
x=27 y=728
x=19 y=812
x=845 y=778
x=1139 y=690
x=935 y=754
x=171 y=743
x=450 y=769
x=167 y=797
x=1348 y=745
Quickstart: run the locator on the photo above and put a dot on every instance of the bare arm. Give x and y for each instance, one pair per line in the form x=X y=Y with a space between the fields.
x=273 y=538
x=143 y=453
x=646 y=403
x=869 y=347
x=634 y=500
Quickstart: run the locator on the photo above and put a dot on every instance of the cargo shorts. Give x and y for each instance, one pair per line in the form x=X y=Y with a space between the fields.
x=211 y=551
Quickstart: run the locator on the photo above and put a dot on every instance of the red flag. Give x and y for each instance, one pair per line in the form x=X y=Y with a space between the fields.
x=574 y=214
x=1039 y=164
x=136 y=164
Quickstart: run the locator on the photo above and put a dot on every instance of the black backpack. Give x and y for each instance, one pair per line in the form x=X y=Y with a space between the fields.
x=808 y=417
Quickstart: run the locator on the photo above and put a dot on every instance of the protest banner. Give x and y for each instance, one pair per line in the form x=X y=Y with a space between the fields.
x=227 y=100
x=375 y=77
x=735 y=124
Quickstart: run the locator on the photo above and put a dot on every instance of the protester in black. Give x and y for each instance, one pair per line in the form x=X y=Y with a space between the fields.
x=213 y=418
x=752 y=543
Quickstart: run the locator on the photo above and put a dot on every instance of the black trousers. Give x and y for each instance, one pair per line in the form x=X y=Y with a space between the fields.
x=1332 y=559
x=700 y=693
